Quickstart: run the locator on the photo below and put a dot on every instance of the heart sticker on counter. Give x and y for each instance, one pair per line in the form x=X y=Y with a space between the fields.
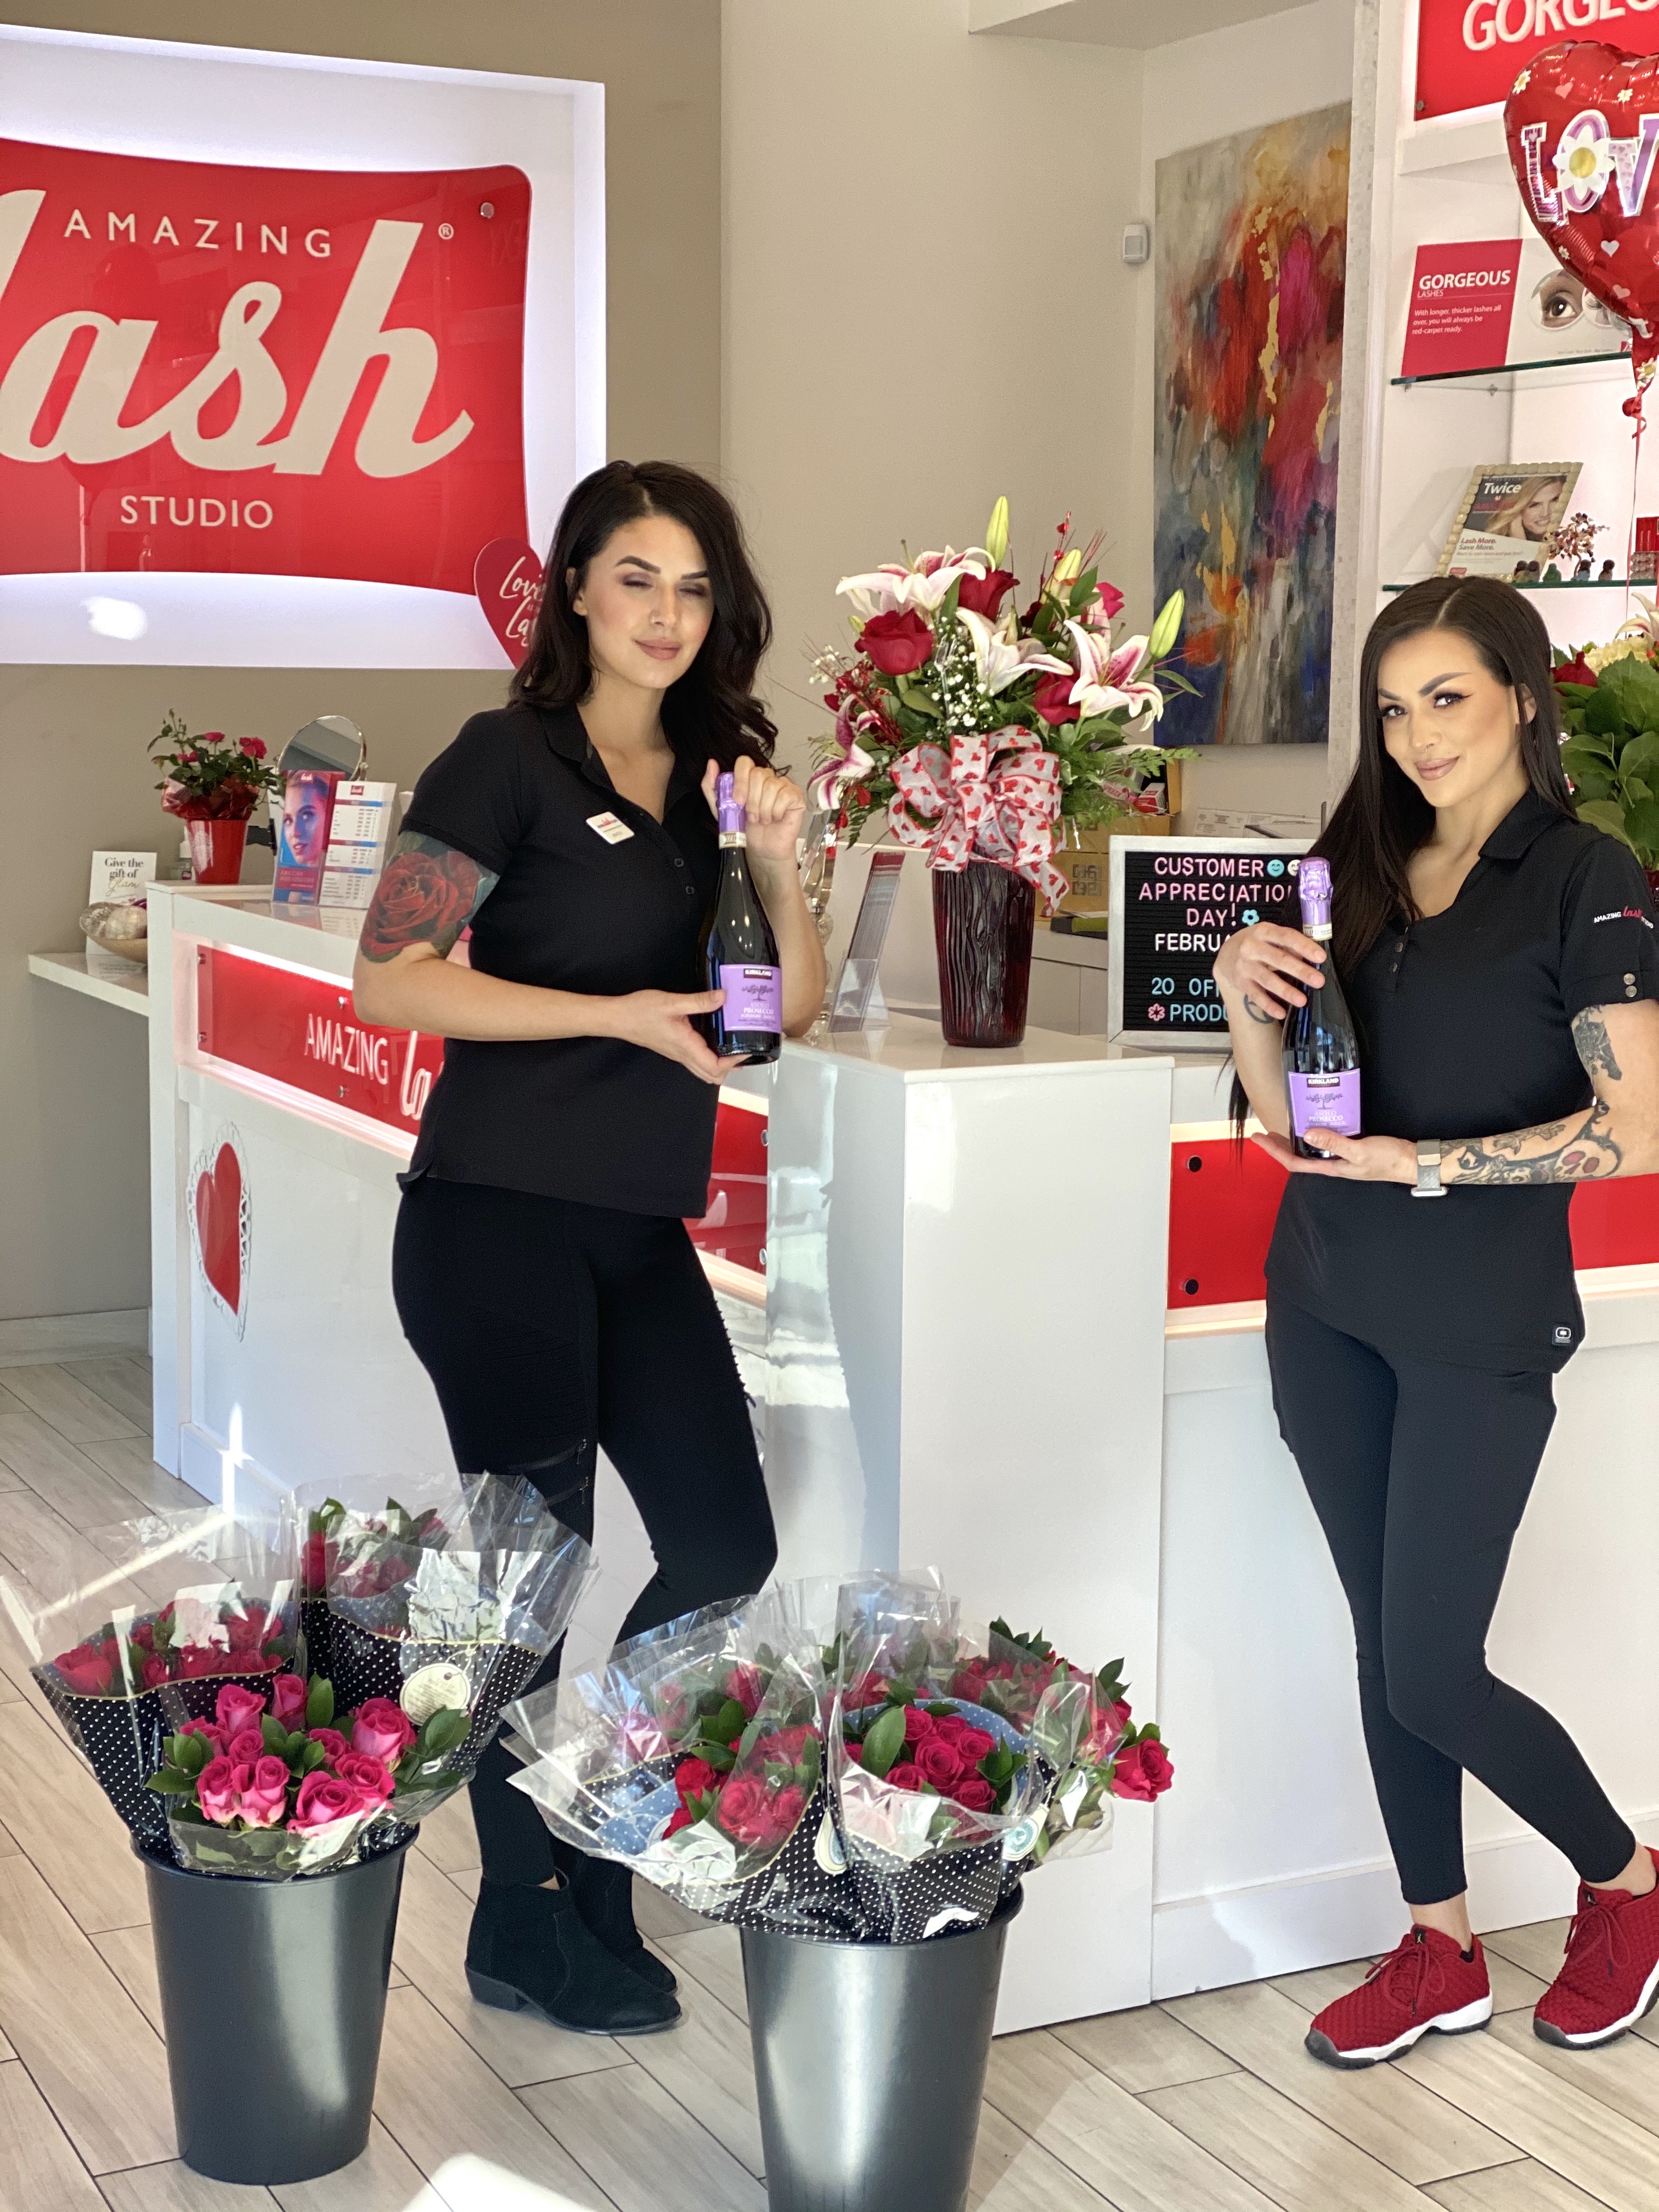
x=507 y=578
x=219 y=1218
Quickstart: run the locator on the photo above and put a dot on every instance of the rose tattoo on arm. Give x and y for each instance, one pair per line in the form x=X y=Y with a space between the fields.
x=428 y=895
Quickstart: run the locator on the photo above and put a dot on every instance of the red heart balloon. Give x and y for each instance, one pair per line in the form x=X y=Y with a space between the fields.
x=507 y=578
x=219 y=1226
x=1583 y=126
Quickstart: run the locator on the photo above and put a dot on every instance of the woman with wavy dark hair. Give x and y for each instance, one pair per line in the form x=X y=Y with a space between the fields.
x=541 y=1268
x=1498 y=957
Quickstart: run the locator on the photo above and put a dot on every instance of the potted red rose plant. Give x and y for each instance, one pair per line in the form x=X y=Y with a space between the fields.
x=213 y=785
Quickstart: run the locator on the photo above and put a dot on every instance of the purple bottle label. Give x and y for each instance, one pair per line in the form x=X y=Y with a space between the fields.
x=753 y=999
x=1313 y=883
x=728 y=813
x=1325 y=1101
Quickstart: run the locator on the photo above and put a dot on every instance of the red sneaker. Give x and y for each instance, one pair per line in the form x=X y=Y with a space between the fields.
x=1425 y=1983
x=1610 y=1976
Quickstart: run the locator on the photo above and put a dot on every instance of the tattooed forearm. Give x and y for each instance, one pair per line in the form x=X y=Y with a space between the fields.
x=428 y=895
x=1259 y=1013
x=1589 y=1034
x=1590 y=1153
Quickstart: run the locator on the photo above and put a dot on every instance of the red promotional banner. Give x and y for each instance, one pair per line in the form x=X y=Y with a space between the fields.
x=280 y=372
x=1469 y=52
x=300 y=1030
x=1463 y=300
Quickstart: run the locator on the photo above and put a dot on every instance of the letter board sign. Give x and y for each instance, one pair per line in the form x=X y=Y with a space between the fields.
x=1173 y=903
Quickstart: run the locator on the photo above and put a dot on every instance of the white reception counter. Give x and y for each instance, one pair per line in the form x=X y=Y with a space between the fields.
x=970 y=1359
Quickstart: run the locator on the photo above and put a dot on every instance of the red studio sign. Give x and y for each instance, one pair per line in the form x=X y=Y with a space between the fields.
x=1469 y=52
x=280 y=372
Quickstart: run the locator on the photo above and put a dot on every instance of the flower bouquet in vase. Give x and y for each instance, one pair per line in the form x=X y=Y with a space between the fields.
x=982 y=729
x=449 y=1600
x=1609 y=696
x=696 y=1757
x=213 y=784
x=180 y=1603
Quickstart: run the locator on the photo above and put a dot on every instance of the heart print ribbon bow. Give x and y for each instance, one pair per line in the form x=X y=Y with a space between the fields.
x=964 y=809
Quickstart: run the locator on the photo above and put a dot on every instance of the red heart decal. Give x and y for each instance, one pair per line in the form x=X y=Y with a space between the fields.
x=219 y=1226
x=1583 y=126
x=507 y=578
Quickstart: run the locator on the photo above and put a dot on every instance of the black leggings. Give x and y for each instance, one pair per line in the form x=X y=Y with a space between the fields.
x=1419 y=1474
x=549 y=1329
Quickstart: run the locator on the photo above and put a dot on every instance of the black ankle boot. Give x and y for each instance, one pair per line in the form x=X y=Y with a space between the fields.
x=603 y=1891
x=530 y=1948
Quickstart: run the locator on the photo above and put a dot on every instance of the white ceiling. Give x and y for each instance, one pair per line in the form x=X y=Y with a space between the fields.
x=1133 y=23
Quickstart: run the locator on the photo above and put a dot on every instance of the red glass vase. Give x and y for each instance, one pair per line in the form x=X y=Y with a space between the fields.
x=215 y=848
x=983 y=917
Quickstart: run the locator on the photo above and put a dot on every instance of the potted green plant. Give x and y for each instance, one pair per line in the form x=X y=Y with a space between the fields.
x=213 y=785
x=1609 y=701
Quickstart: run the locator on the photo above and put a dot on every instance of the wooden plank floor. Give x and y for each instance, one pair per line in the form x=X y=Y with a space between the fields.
x=1207 y=2104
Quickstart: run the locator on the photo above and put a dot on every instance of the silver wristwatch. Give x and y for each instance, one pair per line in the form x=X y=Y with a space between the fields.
x=1431 y=1151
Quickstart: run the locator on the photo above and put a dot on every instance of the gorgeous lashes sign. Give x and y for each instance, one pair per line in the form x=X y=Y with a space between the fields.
x=286 y=342
x=1469 y=52
x=266 y=371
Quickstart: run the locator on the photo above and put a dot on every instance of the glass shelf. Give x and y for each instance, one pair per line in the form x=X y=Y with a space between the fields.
x=1567 y=583
x=1496 y=378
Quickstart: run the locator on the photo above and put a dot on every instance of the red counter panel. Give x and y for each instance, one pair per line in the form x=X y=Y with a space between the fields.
x=1223 y=1204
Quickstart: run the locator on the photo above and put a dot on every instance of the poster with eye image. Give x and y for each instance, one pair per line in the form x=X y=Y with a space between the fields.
x=1506 y=517
x=1554 y=318
x=1173 y=903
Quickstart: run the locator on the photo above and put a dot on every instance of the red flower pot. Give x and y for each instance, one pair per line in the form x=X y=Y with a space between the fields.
x=215 y=848
x=983 y=918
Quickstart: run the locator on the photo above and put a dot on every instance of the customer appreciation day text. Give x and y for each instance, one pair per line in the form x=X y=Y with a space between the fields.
x=1201 y=898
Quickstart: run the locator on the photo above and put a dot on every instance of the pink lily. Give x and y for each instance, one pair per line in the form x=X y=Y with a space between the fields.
x=850 y=763
x=999 y=661
x=1105 y=683
x=922 y=585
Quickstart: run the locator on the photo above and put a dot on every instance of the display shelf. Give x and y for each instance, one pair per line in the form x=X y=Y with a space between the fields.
x=1567 y=583
x=128 y=987
x=1500 y=376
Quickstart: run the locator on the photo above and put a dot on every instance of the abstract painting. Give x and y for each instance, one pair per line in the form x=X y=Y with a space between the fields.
x=1252 y=238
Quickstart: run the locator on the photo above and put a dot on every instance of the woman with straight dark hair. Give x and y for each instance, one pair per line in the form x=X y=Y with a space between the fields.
x=1499 y=958
x=541 y=1268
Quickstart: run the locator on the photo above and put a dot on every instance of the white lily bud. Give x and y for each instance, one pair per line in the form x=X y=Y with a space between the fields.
x=996 y=533
x=1167 y=628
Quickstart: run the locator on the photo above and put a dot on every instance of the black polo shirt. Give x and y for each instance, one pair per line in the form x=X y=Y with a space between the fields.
x=1465 y=1025
x=578 y=907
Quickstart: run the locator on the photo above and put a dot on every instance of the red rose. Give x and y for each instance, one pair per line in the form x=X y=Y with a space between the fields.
x=918 y=1724
x=246 y=1747
x=85 y=1670
x=253 y=747
x=154 y=1671
x=974 y=1744
x=323 y=1800
x=694 y=1777
x=984 y=597
x=1111 y=600
x=855 y=1753
x=366 y=1777
x=381 y=1730
x=1144 y=1771
x=333 y=1742
x=784 y=1812
x=1052 y=699
x=904 y=1776
x=1576 y=670
x=214 y=1734
x=421 y=893
x=144 y=1633
x=682 y=1817
x=975 y=1793
x=743 y=1810
x=899 y=644
x=213 y=737
x=744 y=1686
x=937 y=1762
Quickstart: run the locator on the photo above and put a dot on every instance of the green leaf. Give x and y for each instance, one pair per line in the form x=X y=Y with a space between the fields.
x=319 y=1703
x=275 y=1734
x=1641 y=756
x=918 y=701
x=884 y=1741
x=189 y=1754
x=1642 y=831
x=171 y=1783
x=1588 y=773
x=1633 y=685
x=444 y=1730
x=1607 y=815
x=728 y=1724
x=1604 y=714
x=719 y=1757
x=311 y=1758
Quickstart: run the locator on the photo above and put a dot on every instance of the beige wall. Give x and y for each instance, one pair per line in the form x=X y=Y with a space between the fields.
x=925 y=304
x=73 y=775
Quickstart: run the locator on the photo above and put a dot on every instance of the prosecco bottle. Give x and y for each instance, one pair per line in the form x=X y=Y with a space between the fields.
x=739 y=952
x=1321 y=1052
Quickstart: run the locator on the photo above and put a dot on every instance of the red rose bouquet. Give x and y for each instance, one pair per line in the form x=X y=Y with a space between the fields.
x=450 y=1598
x=696 y=1757
x=175 y=1603
x=951 y=683
x=270 y=1788
x=212 y=778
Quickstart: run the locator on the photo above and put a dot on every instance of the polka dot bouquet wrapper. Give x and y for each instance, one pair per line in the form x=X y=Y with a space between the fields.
x=181 y=1603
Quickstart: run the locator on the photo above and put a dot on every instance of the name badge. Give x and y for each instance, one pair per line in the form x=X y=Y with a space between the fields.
x=608 y=827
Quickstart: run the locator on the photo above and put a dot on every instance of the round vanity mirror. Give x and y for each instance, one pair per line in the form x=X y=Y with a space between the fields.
x=330 y=746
